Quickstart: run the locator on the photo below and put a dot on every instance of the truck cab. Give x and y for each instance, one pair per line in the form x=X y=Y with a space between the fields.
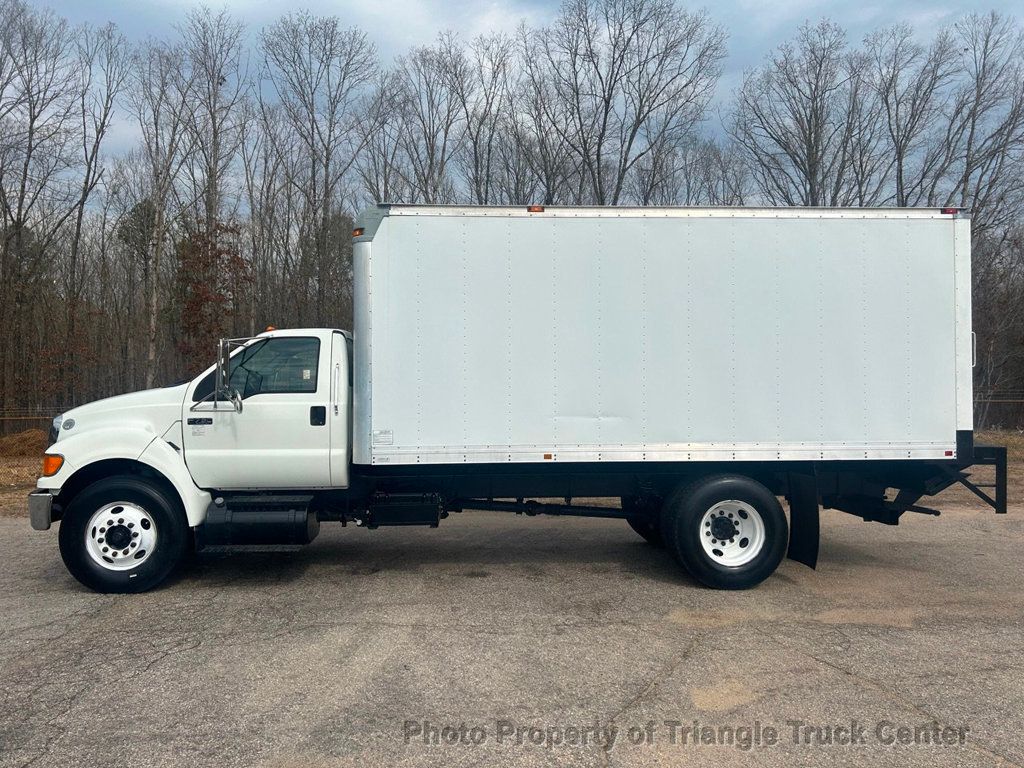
x=279 y=418
x=292 y=429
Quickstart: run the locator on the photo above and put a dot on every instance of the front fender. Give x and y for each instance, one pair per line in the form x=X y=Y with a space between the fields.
x=168 y=462
x=92 y=445
x=135 y=444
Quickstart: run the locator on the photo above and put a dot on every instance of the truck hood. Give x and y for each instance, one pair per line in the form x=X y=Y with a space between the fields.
x=154 y=410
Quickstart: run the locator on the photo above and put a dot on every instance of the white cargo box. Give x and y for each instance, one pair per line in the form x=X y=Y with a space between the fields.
x=489 y=335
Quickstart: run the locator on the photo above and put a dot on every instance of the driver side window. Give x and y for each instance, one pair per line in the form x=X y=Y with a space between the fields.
x=281 y=365
x=285 y=364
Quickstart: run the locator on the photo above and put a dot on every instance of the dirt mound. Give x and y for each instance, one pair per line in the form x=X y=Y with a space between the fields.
x=31 y=442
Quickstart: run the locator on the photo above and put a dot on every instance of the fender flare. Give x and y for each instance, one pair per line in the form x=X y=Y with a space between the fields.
x=168 y=462
x=141 y=446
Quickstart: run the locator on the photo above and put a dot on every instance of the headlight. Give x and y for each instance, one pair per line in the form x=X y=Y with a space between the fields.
x=55 y=427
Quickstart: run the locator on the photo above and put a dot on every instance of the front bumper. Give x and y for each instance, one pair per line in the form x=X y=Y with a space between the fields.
x=40 y=510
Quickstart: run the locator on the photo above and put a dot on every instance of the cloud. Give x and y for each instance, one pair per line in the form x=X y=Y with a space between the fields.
x=393 y=26
x=755 y=27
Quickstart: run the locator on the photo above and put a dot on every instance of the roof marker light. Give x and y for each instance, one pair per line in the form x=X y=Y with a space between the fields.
x=952 y=211
x=535 y=209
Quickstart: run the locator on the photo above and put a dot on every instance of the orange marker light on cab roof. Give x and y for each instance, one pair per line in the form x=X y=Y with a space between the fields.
x=270 y=328
x=357 y=231
x=535 y=209
x=52 y=462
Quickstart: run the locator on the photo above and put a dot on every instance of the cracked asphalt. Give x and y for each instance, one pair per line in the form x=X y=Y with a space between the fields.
x=360 y=649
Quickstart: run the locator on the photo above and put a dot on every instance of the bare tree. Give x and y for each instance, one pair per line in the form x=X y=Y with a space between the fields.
x=124 y=265
x=696 y=172
x=212 y=269
x=633 y=74
x=102 y=64
x=271 y=159
x=212 y=45
x=480 y=82
x=320 y=74
x=808 y=123
x=516 y=172
x=432 y=120
x=998 y=293
x=160 y=94
x=911 y=81
x=867 y=154
x=381 y=165
x=986 y=122
x=37 y=108
x=541 y=126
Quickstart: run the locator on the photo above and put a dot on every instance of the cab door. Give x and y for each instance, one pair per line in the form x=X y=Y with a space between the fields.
x=282 y=437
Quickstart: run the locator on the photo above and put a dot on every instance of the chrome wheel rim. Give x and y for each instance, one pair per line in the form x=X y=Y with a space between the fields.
x=732 y=533
x=120 y=536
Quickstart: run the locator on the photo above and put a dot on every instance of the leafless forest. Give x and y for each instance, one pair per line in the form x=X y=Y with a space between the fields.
x=159 y=194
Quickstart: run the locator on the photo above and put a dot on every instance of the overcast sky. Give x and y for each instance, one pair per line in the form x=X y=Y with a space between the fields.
x=754 y=27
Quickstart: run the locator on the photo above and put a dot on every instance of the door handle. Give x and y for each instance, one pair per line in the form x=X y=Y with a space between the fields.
x=317 y=415
x=336 y=388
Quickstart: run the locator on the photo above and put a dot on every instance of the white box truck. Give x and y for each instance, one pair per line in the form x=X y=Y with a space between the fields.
x=696 y=364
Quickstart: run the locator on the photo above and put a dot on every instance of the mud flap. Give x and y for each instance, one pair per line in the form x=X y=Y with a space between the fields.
x=804 y=524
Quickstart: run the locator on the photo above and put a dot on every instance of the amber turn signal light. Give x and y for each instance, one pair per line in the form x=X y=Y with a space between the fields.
x=357 y=232
x=52 y=462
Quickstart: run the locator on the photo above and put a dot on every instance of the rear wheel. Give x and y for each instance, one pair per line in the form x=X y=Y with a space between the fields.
x=728 y=531
x=123 y=534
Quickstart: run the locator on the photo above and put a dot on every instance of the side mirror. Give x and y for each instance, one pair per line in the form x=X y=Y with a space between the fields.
x=222 y=385
x=223 y=376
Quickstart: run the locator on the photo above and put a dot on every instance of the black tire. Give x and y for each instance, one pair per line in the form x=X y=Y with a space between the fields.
x=644 y=519
x=169 y=522
x=685 y=511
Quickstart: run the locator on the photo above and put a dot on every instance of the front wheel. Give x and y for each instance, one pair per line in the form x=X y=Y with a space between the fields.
x=728 y=531
x=123 y=534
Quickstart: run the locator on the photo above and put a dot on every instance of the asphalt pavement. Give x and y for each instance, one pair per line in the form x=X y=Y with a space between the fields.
x=501 y=640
